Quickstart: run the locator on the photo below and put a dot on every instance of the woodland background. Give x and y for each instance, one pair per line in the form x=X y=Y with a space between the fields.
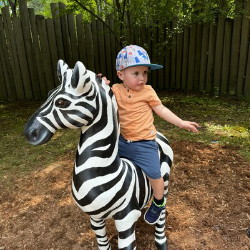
x=203 y=45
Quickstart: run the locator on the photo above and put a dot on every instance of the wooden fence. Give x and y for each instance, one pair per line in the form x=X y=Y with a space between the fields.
x=204 y=57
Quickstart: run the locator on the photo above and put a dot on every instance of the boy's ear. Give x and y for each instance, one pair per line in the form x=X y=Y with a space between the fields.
x=120 y=75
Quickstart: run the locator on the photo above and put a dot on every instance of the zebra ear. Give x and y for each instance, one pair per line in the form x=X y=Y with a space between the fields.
x=80 y=77
x=61 y=68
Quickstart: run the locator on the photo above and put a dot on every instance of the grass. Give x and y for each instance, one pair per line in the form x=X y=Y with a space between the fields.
x=16 y=155
x=224 y=121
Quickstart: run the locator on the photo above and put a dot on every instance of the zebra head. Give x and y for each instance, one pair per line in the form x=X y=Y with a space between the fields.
x=73 y=104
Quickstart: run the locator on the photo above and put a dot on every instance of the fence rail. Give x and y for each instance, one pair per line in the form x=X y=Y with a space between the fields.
x=209 y=58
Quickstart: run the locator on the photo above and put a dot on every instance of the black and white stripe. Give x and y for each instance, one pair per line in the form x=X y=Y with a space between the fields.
x=103 y=185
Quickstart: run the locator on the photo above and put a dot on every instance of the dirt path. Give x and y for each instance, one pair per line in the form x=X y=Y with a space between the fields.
x=208 y=206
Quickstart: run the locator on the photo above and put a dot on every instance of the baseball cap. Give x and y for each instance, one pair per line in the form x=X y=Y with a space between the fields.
x=134 y=55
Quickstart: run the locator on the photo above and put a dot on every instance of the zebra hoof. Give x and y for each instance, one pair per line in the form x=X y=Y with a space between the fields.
x=248 y=232
x=163 y=246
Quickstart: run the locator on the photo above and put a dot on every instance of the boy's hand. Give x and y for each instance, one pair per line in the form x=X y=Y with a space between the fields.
x=190 y=126
x=169 y=116
x=104 y=78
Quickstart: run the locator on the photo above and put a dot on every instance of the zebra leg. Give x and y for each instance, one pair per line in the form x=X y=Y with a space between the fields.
x=160 y=237
x=99 y=227
x=126 y=230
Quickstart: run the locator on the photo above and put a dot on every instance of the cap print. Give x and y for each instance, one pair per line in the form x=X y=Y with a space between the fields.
x=134 y=55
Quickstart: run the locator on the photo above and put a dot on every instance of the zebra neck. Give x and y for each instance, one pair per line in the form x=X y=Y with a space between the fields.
x=98 y=146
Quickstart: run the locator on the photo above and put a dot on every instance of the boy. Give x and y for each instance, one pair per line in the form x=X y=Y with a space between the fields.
x=136 y=101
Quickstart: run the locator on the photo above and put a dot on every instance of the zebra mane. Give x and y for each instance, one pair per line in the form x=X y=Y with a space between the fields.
x=79 y=82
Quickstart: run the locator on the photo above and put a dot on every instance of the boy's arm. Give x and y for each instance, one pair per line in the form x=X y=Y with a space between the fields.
x=106 y=80
x=170 y=117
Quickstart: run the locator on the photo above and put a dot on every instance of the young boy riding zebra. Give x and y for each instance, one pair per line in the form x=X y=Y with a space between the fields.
x=110 y=181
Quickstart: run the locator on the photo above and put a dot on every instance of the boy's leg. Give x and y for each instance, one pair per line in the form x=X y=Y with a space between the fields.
x=158 y=187
x=153 y=213
x=145 y=155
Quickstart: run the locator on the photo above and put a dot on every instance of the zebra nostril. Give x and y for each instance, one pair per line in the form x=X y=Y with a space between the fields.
x=34 y=134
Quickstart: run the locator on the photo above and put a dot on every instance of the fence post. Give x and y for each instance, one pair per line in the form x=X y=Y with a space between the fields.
x=24 y=18
x=12 y=54
x=185 y=59
x=204 y=57
x=113 y=75
x=22 y=58
x=107 y=41
x=47 y=66
x=57 y=26
x=243 y=49
x=247 y=79
x=161 y=59
x=173 y=57
x=191 y=56
x=8 y=75
x=73 y=40
x=210 y=61
x=179 y=53
x=89 y=46
x=226 y=57
x=52 y=48
x=41 y=77
x=80 y=38
x=97 y=49
x=3 y=92
x=101 y=45
x=65 y=34
x=197 y=61
x=167 y=60
x=235 y=52
x=218 y=53
x=3 y=78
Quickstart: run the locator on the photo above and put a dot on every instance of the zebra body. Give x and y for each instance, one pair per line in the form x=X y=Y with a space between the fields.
x=103 y=184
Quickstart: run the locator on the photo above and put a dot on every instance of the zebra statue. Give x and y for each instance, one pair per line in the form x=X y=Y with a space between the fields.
x=103 y=184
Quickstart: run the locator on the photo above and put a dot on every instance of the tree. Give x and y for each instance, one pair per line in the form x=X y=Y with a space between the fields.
x=129 y=14
x=152 y=14
x=12 y=4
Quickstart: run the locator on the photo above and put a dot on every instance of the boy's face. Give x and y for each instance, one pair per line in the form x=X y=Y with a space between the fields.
x=134 y=77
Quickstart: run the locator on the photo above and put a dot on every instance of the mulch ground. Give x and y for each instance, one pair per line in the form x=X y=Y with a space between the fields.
x=208 y=205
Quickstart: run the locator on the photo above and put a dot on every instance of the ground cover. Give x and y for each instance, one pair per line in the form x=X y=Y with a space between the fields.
x=208 y=204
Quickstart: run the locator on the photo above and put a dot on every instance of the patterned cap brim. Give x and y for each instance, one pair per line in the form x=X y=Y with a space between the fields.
x=151 y=66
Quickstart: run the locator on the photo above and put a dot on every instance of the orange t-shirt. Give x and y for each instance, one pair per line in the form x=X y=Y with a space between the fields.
x=135 y=112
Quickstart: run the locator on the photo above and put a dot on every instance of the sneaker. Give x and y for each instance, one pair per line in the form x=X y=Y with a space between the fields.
x=153 y=213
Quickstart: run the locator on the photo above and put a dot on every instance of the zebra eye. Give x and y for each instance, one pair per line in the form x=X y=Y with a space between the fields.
x=62 y=103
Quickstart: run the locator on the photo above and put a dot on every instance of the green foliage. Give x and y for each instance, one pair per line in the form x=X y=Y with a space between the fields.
x=42 y=7
x=145 y=11
x=128 y=15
